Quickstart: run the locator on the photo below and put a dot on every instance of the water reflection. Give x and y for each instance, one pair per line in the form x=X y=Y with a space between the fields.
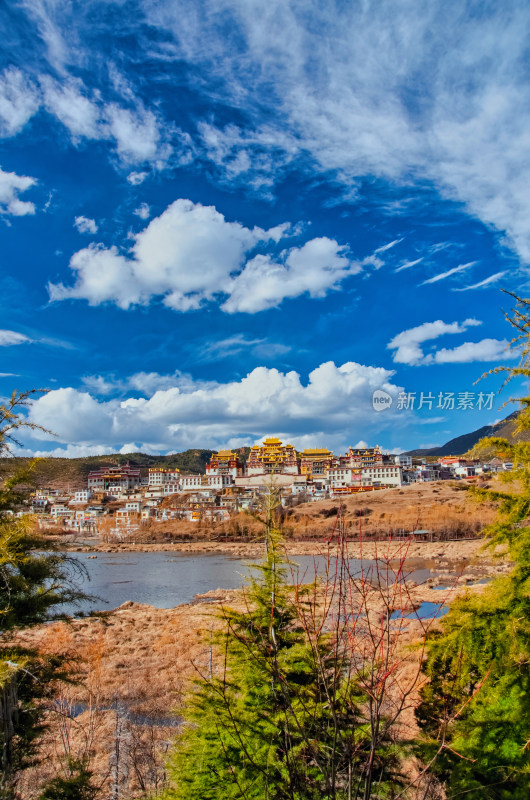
x=167 y=579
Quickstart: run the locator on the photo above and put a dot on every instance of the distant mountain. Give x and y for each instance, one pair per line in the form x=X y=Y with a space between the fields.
x=59 y=473
x=461 y=444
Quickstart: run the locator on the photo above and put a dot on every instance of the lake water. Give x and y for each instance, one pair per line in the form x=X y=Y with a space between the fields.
x=167 y=579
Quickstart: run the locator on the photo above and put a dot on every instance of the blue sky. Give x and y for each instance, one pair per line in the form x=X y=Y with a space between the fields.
x=222 y=220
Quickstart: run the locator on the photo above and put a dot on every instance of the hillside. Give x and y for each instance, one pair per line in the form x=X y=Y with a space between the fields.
x=58 y=473
x=61 y=472
x=461 y=444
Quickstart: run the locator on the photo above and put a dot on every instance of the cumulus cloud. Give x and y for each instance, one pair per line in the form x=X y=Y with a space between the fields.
x=407 y=344
x=85 y=225
x=99 y=385
x=485 y=350
x=8 y=338
x=191 y=254
x=333 y=404
x=11 y=186
x=317 y=267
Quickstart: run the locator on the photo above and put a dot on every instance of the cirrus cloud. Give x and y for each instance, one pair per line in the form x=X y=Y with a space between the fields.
x=8 y=338
x=450 y=110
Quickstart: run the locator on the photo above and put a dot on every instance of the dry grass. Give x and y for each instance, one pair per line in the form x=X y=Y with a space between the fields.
x=130 y=669
x=133 y=667
x=441 y=506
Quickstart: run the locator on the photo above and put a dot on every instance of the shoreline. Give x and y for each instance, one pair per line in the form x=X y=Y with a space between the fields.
x=460 y=549
x=423 y=566
x=148 y=657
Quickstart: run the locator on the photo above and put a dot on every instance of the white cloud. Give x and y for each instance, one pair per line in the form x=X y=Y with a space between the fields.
x=131 y=447
x=238 y=343
x=485 y=350
x=407 y=344
x=69 y=103
x=11 y=185
x=139 y=135
x=408 y=264
x=482 y=284
x=70 y=451
x=443 y=275
x=253 y=157
x=143 y=211
x=19 y=101
x=191 y=254
x=103 y=275
x=136 y=178
x=97 y=384
x=8 y=338
x=334 y=404
x=147 y=383
x=373 y=93
x=317 y=267
x=56 y=26
x=320 y=88
x=85 y=225
x=355 y=93
x=388 y=246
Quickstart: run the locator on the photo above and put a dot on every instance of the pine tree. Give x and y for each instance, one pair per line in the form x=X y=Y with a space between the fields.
x=35 y=580
x=284 y=720
x=475 y=712
x=77 y=785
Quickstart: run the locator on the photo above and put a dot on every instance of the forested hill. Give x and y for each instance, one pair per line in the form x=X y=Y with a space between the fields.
x=61 y=472
x=461 y=444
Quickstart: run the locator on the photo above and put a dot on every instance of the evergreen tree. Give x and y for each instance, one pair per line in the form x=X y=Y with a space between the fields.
x=35 y=580
x=475 y=712
x=284 y=720
x=76 y=785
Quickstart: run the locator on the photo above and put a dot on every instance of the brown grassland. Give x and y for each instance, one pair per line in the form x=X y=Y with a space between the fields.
x=133 y=667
